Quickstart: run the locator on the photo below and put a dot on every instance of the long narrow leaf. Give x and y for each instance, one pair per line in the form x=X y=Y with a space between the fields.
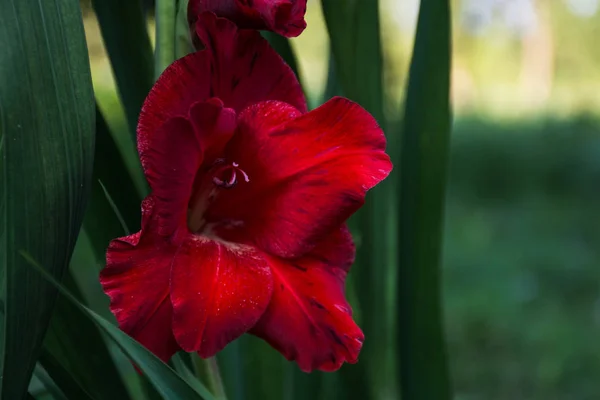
x=123 y=28
x=232 y=370
x=47 y=122
x=74 y=346
x=63 y=380
x=189 y=376
x=425 y=140
x=332 y=88
x=357 y=63
x=48 y=383
x=111 y=175
x=166 y=381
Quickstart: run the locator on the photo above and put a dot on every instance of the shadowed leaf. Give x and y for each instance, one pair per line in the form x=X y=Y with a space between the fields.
x=425 y=141
x=47 y=125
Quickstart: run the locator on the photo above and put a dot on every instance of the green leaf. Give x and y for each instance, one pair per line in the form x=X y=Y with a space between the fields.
x=63 y=379
x=125 y=35
x=47 y=124
x=166 y=381
x=423 y=169
x=114 y=201
x=189 y=376
x=264 y=371
x=232 y=370
x=48 y=383
x=356 y=70
x=332 y=87
x=164 y=53
x=75 y=351
x=356 y=49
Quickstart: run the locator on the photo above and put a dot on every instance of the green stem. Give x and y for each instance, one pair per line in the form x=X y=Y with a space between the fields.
x=207 y=370
x=183 y=39
x=164 y=54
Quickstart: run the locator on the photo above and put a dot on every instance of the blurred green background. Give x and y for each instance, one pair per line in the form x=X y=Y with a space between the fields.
x=522 y=244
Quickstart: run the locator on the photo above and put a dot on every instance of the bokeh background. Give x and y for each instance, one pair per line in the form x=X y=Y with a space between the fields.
x=521 y=287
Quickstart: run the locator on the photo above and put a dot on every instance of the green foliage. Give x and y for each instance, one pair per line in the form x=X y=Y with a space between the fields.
x=520 y=288
x=63 y=379
x=166 y=381
x=520 y=265
x=183 y=40
x=164 y=53
x=75 y=354
x=123 y=27
x=111 y=182
x=356 y=69
x=425 y=146
x=46 y=123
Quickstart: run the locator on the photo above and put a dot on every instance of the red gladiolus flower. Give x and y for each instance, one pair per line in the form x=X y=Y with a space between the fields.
x=286 y=17
x=244 y=229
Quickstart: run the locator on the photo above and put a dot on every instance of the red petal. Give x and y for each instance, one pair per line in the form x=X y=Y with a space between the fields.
x=136 y=278
x=218 y=291
x=337 y=249
x=307 y=174
x=170 y=160
x=309 y=319
x=239 y=67
x=182 y=84
x=214 y=127
x=173 y=155
x=245 y=69
x=285 y=17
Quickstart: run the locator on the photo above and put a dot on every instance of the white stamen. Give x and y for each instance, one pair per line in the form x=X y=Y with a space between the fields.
x=246 y=178
x=233 y=179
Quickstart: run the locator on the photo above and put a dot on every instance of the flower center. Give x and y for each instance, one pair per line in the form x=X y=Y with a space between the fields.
x=226 y=176
x=221 y=175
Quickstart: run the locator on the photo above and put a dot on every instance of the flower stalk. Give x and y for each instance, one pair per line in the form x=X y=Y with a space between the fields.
x=207 y=370
x=164 y=54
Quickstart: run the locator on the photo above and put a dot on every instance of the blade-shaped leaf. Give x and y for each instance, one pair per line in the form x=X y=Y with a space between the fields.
x=48 y=383
x=263 y=375
x=332 y=87
x=166 y=381
x=356 y=50
x=111 y=182
x=74 y=349
x=357 y=64
x=425 y=142
x=63 y=380
x=232 y=370
x=47 y=124
x=123 y=28
x=189 y=376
